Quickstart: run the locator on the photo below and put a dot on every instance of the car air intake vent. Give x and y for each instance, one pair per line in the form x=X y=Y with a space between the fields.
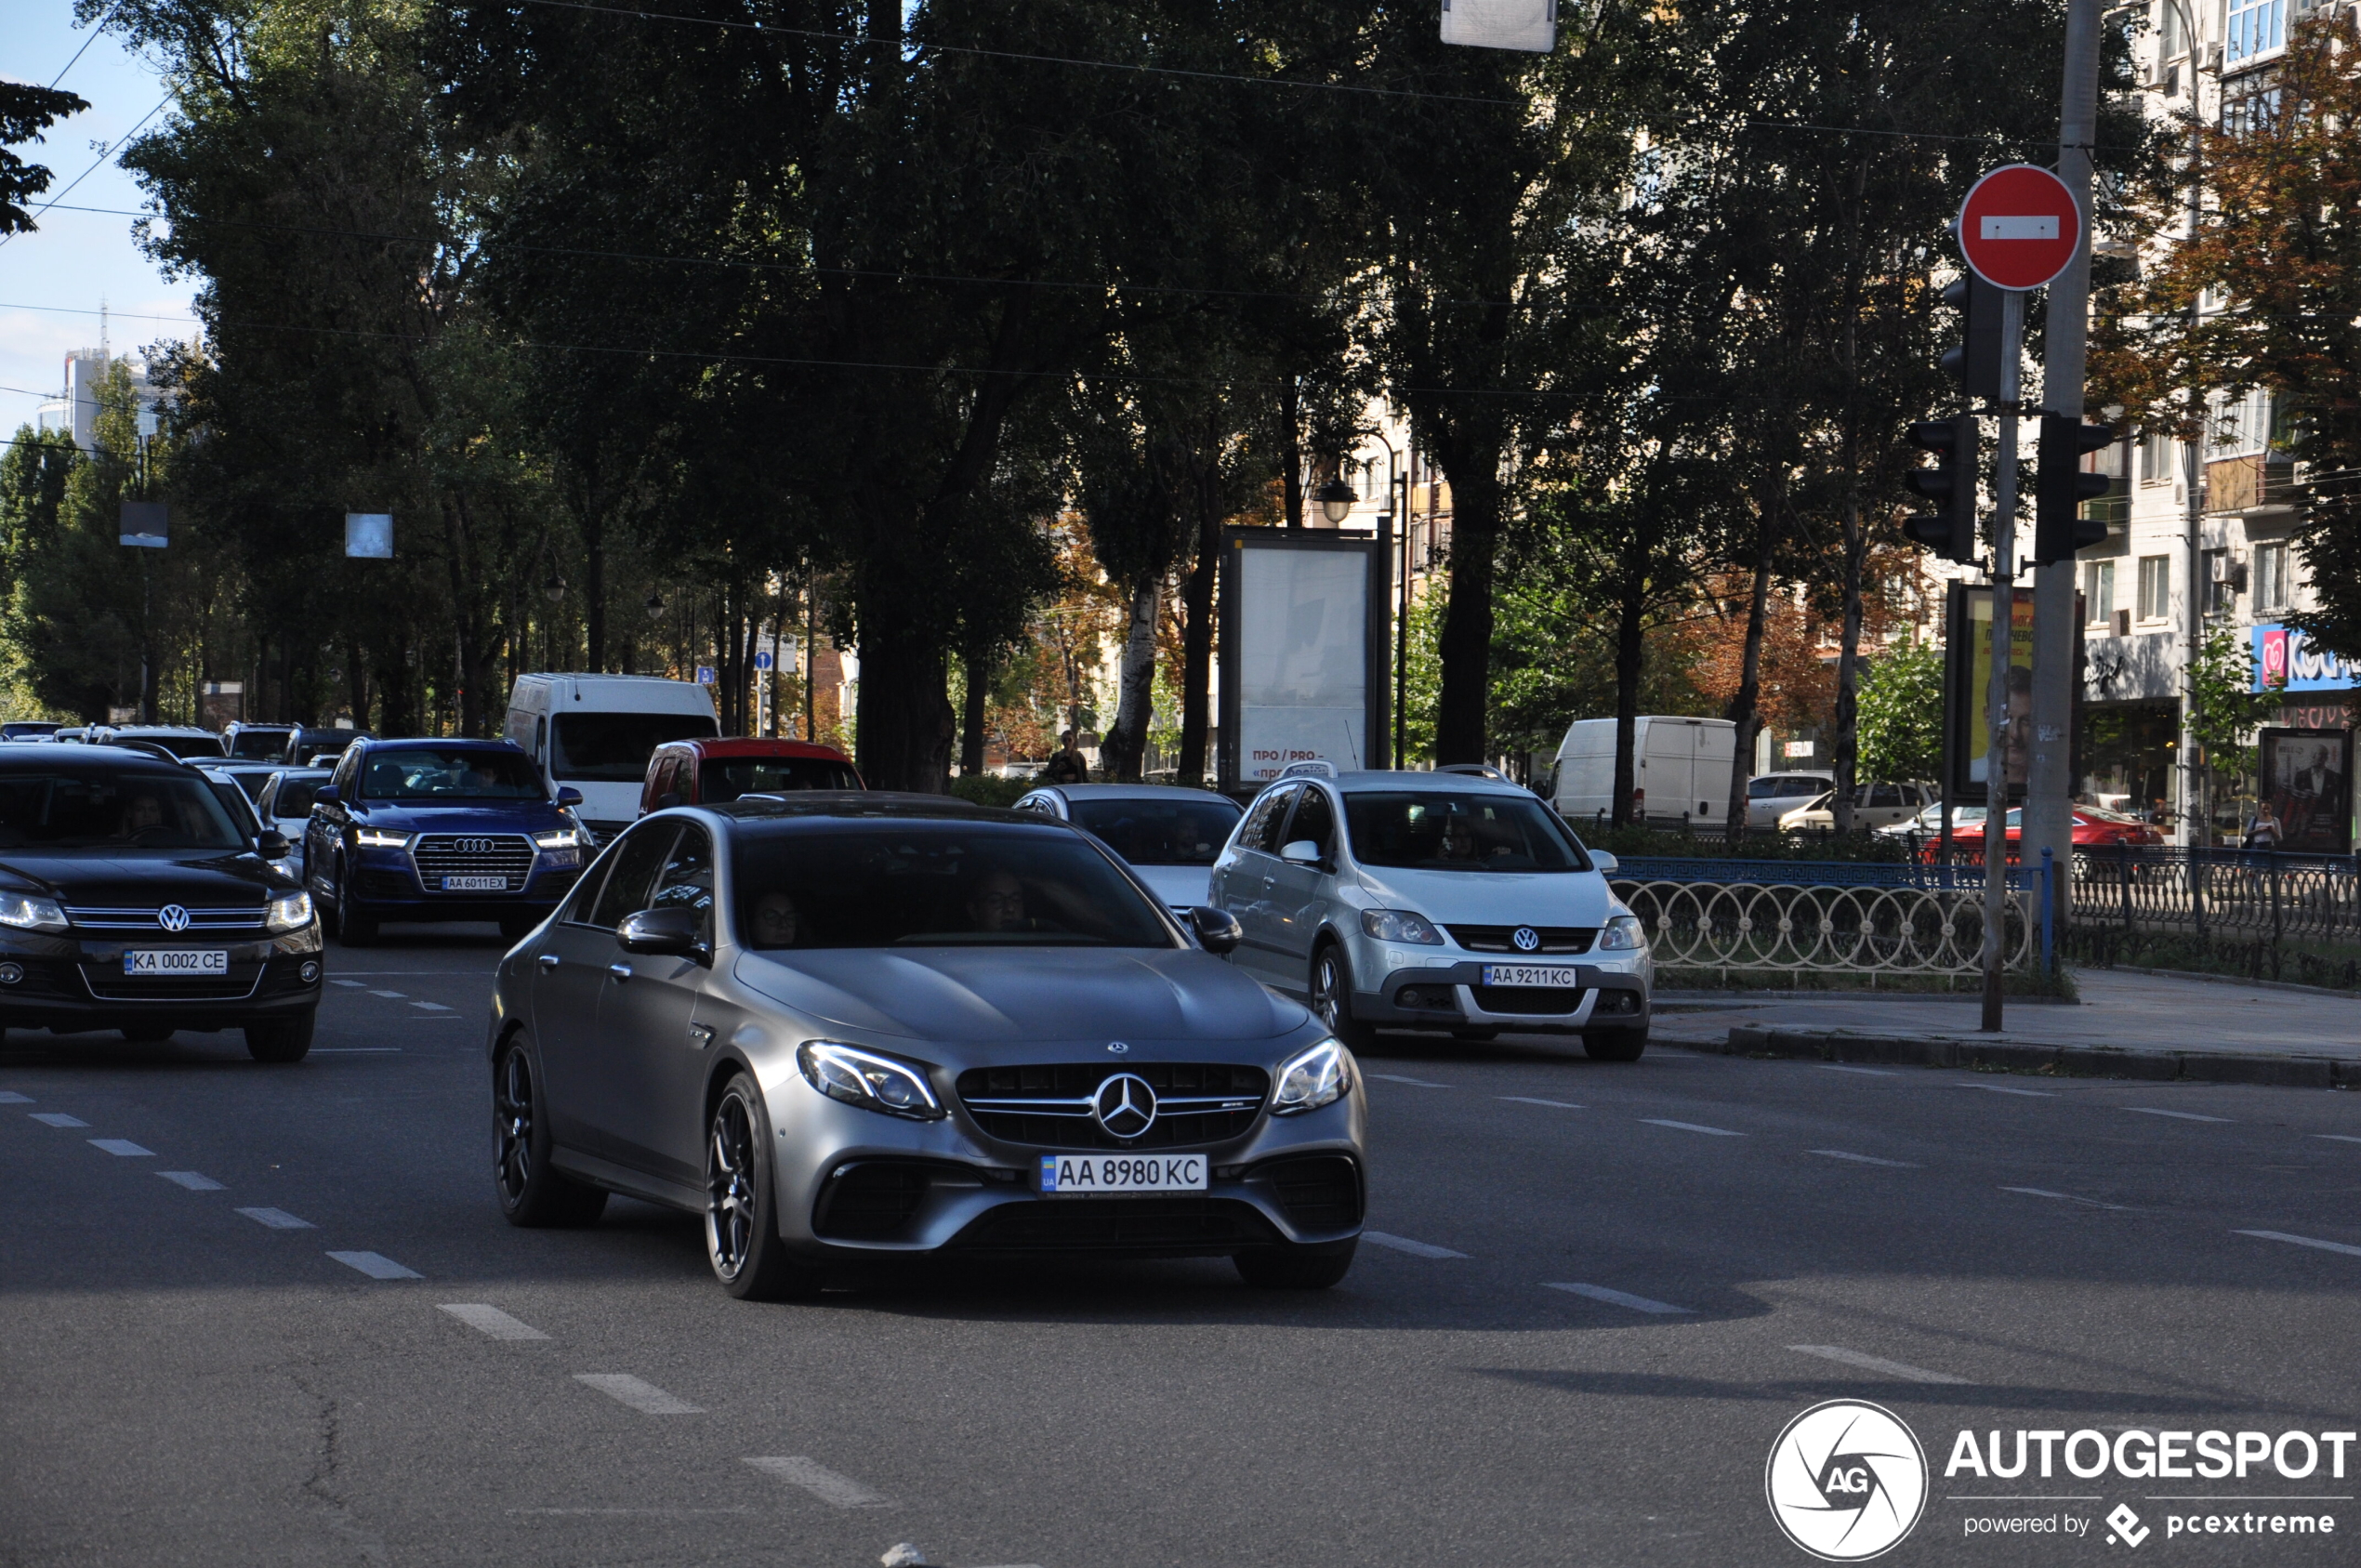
x=1169 y=1227
x=1539 y=1001
x=150 y=917
x=1050 y=1106
x=507 y=856
x=869 y=1200
x=1502 y=939
x=1316 y=1192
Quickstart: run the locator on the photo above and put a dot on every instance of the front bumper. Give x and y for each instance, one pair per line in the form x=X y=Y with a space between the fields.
x=860 y=1183
x=1448 y=992
x=385 y=886
x=69 y=984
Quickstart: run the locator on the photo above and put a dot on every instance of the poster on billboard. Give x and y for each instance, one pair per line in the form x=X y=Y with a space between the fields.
x=1966 y=671
x=2306 y=778
x=2284 y=653
x=1304 y=660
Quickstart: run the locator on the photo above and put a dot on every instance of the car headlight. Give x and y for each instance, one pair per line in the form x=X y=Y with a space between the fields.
x=1623 y=934
x=380 y=838
x=1400 y=924
x=558 y=838
x=868 y=1080
x=29 y=913
x=289 y=912
x=1311 y=1079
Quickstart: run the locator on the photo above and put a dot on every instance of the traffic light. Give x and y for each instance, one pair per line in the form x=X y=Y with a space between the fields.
x=1976 y=361
x=2059 y=529
x=1950 y=484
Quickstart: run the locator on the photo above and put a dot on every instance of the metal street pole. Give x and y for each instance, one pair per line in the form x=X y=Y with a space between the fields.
x=1996 y=696
x=2049 y=816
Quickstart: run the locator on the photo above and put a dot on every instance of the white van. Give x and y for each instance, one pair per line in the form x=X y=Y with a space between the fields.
x=1678 y=765
x=595 y=732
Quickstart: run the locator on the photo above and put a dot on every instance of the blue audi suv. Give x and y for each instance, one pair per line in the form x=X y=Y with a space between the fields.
x=439 y=830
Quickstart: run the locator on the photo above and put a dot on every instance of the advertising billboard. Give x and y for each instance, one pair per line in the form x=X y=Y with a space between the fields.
x=1967 y=672
x=2283 y=650
x=2306 y=778
x=1303 y=652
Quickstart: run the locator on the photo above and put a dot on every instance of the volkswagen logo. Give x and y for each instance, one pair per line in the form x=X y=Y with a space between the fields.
x=1125 y=1105
x=172 y=918
x=1526 y=939
x=474 y=846
x=1846 y=1481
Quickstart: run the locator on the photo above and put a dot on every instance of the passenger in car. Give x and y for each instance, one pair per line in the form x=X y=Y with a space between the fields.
x=774 y=920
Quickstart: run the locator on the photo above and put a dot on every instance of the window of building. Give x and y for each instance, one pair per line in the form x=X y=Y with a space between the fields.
x=2098 y=592
x=2270 y=577
x=2219 y=598
x=2156 y=587
x=2170 y=44
x=2256 y=27
x=2157 y=456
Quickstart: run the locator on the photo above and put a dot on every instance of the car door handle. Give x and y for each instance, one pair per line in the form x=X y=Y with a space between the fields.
x=548 y=960
x=620 y=971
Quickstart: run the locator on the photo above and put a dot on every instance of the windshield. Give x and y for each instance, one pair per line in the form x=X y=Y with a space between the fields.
x=181 y=745
x=936 y=885
x=726 y=778
x=63 y=809
x=1432 y=830
x=614 y=747
x=430 y=772
x=294 y=798
x=251 y=779
x=1160 y=831
x=258 y=745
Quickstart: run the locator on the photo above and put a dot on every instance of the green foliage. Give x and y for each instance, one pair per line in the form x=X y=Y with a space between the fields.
x=2226 y=707
x=990 y=789
x=25 y=111
x=1902 y=713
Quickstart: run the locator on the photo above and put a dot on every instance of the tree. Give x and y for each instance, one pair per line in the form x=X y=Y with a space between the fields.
x=2225 y=711
x=25 y=111
x=1901 y=713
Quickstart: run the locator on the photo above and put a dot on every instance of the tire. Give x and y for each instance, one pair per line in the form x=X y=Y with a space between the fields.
x=742 y=1218
x=148 y=1034
x=280 y=1040
x=1332 y=997
x=1289 y=1267
x=533 y=1193
x=353 y=929
x=1614 y=1045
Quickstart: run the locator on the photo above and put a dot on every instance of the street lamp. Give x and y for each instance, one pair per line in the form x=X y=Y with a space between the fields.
x=655 y=604
x=554 y=590
x=1336 y=499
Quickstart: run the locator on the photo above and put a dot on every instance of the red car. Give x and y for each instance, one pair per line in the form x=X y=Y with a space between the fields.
x=2091 y=827
x=707 y=772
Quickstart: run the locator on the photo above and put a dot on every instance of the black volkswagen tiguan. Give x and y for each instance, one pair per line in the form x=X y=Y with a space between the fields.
x=130 y=900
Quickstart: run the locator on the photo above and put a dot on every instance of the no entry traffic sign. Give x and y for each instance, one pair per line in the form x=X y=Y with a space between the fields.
x=2019 y=227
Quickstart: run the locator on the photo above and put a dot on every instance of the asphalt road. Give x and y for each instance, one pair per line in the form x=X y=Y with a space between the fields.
x=1605 y=1292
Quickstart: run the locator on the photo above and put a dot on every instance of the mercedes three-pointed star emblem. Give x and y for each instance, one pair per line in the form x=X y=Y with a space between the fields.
x=1125 y=1105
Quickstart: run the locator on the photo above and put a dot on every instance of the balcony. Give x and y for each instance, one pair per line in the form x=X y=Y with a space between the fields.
x=2248 y=484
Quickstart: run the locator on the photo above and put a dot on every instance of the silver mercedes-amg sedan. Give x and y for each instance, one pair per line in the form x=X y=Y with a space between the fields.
x=841 y=1025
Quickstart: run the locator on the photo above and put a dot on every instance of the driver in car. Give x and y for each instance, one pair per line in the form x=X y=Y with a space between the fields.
x=774 y=920
x=998 y=903
x=142 y=812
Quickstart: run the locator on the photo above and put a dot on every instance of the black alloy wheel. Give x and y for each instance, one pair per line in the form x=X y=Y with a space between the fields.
x=1332 y=999
x=532 y=1193
x=741 y=1228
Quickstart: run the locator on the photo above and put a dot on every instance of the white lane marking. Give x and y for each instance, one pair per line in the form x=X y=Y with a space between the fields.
x=354 y=984
x=58 y=1119
x=492 y=1320
x=395 y=995
x=123 y=1146
x=1876 y=1364
x=277 y=1219
x=2183 y=1115
x=1624 y=1298
x=11 y=1096
x=1414 y=1083
x=430 y=1007
x=191 y=1181
x=2069 y=1197
x=2004 y=1089
x=2339 y=1137
x=1404 y=1243
x=646 y=1398
x=2303 y=1241
x=1690 y=1127
x=1863 y=1159
x=376 y=1265
x=1528 y=1100
x=820 y=1481
x=1864 y=1072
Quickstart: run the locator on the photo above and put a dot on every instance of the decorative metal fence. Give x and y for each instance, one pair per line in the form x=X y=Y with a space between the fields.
x=1798 y=926
x=2248 y=894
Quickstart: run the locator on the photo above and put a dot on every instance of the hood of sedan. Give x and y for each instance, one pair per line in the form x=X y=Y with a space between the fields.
x=1494 y=898
x=1033 y=995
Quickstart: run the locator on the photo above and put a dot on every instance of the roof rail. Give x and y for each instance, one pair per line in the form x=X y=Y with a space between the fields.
x=1313 y=769
x=1482 y=770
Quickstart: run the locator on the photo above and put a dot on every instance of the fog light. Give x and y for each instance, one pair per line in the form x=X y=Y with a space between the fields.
x=1428 y=998
x=12 y=974
x=309 y=972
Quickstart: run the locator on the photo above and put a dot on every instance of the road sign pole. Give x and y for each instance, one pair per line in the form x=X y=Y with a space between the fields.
x=1995 y=694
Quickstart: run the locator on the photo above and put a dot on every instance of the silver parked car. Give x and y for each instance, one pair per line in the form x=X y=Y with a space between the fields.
x=840 y=1025
x=1167 y=835
x=1444 y=901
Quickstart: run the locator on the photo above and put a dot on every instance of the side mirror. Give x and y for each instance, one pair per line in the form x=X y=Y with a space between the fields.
x=669 y=797
x=569 y=796
x=326 y=795
x=1604 y=863
x=672 y=932
x=1303 y=852
x=1217 y=930
x=271 y=844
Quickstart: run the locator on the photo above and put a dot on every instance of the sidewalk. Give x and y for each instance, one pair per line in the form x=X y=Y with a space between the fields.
x=2126 y=1025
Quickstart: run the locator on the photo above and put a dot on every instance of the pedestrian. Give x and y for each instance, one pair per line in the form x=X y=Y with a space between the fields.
x=1067 y=765
x=2263 y=832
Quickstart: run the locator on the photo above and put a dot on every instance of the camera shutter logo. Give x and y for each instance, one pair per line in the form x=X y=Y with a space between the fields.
x=1846 y=1481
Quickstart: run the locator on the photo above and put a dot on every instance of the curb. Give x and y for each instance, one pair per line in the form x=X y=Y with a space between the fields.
x=2220 y=980
x=2055 y=1062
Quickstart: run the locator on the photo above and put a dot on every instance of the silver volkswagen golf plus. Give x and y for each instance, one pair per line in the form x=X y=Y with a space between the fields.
x=840 y=1026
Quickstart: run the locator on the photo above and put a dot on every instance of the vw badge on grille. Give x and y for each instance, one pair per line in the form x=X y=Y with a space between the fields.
x=1526 y=939
x=172 y=918
x=1125 y=1105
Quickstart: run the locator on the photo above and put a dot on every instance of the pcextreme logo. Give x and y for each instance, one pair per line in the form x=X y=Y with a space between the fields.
x=1846 y=1481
